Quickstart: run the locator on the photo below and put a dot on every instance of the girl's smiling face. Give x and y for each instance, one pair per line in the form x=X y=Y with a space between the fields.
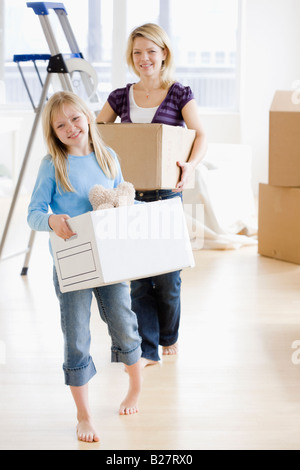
x=72 y=129
x=147 y=57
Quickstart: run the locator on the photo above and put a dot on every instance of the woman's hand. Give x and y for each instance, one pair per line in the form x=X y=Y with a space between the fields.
x=187 y=170
x=59 y=225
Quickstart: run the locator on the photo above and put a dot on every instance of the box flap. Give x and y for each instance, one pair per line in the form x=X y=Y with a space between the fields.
x=286 y=101
x=177 y=146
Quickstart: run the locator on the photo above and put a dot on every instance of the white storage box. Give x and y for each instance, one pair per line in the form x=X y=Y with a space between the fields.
x=121 y=244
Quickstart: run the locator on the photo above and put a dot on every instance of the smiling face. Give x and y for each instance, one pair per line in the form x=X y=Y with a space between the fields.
x=147 y=57
x=72 y=129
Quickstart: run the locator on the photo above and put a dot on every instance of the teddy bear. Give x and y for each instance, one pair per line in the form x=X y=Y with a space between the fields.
x=103 y=198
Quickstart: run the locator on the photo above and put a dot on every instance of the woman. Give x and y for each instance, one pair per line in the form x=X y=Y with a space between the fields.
x=156 y=98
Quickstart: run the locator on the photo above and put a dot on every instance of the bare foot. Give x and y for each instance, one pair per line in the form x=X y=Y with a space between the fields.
x=130 y=405
x=86 y=432
x=147 y=362
x=170 y=350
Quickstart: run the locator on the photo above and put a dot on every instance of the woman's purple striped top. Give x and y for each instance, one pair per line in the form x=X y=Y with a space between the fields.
x=169 y=111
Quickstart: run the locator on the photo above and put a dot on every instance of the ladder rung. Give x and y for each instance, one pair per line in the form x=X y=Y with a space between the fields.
x=73 y=55
x=33 y=57
x=28 y=57
x=42 y=8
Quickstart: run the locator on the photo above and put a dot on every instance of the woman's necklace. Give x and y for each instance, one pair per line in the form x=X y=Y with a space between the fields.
x=150 y=91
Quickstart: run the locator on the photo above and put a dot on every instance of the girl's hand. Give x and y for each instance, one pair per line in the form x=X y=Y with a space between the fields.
x=187 y=170
x=59 y=225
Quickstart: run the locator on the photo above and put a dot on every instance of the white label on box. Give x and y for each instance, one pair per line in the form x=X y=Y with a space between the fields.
x=83 y=261
x=76 y=259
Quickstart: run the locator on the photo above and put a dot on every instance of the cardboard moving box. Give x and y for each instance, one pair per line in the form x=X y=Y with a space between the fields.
x=279 y=223
x=148 y=152
x=284 y=140
x=121 y=244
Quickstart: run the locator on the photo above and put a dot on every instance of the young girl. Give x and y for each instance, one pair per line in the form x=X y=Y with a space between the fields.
x=78 y=160
x=156 y=98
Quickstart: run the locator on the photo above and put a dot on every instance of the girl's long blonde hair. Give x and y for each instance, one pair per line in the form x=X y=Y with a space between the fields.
x=156 y=34
x=58 y=150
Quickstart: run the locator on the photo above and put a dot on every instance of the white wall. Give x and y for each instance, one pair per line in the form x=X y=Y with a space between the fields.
x=12 y=152
x=270 y=61
x=2 y=96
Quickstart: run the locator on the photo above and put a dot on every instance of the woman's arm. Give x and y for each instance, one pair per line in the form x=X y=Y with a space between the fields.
x=191 y=118
x=106 y=114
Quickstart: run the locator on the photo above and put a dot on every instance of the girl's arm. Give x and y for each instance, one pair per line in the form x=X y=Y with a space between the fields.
x=38 y=210
x=192 y=120
x=39 y=218
x=106 y=114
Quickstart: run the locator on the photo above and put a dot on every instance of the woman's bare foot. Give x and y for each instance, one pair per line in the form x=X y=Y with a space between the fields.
x=170 y=350
x=86 y=432
x=147 y=362
x=129 y=406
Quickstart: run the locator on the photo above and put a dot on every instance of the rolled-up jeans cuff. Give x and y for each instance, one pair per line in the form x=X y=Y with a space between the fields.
x=129 y=358
x=80 y=375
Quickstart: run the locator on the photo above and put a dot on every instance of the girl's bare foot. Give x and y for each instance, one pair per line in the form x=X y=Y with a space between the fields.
x=170 y=350
x=85 y=429
x=147 y=362
x=130 y=405
x=86 y=432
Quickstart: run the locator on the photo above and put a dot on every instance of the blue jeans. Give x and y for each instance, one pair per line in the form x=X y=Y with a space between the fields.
x=115 y=310
x=156 y=300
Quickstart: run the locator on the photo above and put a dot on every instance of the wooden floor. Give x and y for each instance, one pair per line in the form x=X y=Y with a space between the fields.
x=234 y=385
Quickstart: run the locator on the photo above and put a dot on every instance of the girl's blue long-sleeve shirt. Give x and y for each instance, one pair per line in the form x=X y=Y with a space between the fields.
x=84 y=172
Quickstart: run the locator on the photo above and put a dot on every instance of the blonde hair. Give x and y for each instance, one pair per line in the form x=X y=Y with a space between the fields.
x=156 y=34
x=58 y=150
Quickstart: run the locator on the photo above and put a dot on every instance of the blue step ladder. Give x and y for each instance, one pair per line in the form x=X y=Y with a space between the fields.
x=62 y=66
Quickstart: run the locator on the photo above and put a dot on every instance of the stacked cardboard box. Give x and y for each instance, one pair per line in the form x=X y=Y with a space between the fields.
x=279 y=201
